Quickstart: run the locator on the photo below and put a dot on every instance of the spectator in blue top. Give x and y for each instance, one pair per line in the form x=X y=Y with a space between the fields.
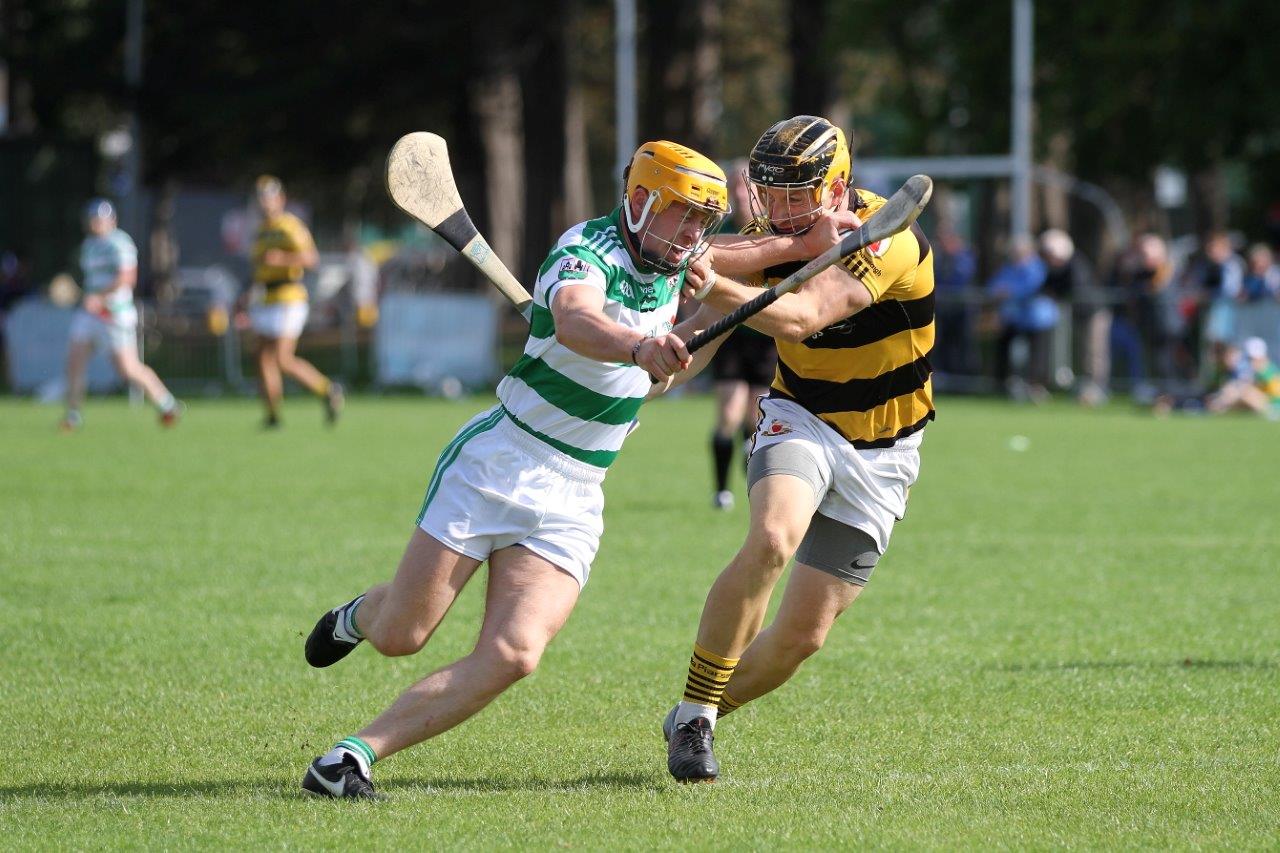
x=1026 y=313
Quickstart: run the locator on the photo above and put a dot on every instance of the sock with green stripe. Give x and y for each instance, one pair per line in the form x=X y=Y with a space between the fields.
x=346 y=629
x=356 y=748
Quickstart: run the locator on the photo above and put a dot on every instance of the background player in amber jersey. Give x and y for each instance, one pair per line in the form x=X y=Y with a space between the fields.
x=282 y=249
x=837 y=446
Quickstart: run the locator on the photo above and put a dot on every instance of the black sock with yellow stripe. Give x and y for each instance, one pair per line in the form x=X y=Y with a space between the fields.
x=704 y=686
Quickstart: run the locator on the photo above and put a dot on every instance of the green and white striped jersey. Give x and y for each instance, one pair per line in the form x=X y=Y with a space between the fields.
x=582 y=407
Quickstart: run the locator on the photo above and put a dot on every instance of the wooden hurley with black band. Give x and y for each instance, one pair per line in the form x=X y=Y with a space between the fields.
x=420 y=182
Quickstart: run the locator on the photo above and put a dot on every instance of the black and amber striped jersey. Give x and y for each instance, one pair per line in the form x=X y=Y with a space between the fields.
x=868 y=376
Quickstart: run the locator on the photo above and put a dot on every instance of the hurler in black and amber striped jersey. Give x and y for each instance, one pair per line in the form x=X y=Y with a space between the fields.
x=868 y=375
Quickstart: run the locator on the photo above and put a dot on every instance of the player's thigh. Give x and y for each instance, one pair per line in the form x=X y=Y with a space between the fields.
x=528 y=601
x=125 y=360
x=285 y=346
x=782 y=504
x=811 y=603
x=427 y=581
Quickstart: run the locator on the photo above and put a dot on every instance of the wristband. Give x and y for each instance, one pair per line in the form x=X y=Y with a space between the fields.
x=706 y=288
x=636 y=349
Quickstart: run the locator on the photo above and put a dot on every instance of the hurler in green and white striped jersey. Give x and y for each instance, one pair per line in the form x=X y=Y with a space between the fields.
x=582 y=407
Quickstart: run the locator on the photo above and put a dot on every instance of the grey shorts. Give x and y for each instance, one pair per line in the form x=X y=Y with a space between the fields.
x=831 y=546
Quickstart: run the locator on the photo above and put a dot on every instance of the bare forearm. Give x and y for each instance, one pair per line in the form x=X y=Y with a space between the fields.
x=736 y=254
x=595 y=336
x=787 y=318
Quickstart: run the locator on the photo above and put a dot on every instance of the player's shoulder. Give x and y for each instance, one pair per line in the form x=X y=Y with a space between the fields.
x=292 y=222
x=888 y=262
x=865 y=202
x=595 y=241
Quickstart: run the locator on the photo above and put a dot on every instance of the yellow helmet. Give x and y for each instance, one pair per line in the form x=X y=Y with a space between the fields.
x=802 y=152
x=671 y=173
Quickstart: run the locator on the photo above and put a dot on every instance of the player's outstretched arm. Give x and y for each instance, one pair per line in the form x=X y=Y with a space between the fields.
x=582 y=326
x=827 y=298
x=745 y=254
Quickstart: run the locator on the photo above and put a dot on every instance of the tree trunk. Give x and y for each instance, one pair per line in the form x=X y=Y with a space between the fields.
x=498 y=108
x=545 y=85
x=810 y=66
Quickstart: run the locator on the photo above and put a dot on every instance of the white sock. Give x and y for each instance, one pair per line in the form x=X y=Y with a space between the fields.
x=686 y=711
x=166 y=405
x=346 y=628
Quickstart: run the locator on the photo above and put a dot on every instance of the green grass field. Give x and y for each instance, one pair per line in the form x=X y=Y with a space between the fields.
x=1074 y=645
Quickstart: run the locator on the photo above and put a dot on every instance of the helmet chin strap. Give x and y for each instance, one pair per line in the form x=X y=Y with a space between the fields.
x=635 y=225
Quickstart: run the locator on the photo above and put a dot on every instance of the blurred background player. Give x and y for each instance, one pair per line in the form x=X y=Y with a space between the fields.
x=107 y=316
x=520 y=484
x=837 y=449
x=742 y=369
x=282 y=250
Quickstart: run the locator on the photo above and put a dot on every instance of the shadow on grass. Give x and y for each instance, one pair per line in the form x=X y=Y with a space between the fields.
x=482 y=785
x=86 y=790
x=277 y=789
x=1185 y=663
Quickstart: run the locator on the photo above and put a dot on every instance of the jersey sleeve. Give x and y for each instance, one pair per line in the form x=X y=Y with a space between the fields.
x=885 y=266
x=569 y=265
x=299 y=236
x=125 y=252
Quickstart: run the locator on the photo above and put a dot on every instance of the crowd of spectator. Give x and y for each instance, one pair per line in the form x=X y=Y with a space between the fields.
x=1164 y=326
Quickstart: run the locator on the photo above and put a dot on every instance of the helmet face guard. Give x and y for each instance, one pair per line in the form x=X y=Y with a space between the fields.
x=796 y=216
x=668 y=253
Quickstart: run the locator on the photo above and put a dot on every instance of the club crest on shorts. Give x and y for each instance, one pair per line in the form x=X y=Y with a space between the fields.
x=776 y=427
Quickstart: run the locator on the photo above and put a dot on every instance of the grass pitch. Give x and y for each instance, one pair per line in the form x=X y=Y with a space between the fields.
x=1075 y=644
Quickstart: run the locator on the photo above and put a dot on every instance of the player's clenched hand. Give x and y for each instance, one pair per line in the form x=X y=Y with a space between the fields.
x=827 y=231
x=94 y=304
x=663 y=356
x=697 y=277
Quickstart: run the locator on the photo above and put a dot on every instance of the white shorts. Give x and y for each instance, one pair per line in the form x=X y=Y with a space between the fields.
x=120 y=332
x=279 y=319
x=496 y=486
x=865 y=489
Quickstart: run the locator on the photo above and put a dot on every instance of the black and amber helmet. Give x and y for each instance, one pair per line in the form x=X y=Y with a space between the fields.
x=799 y=153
